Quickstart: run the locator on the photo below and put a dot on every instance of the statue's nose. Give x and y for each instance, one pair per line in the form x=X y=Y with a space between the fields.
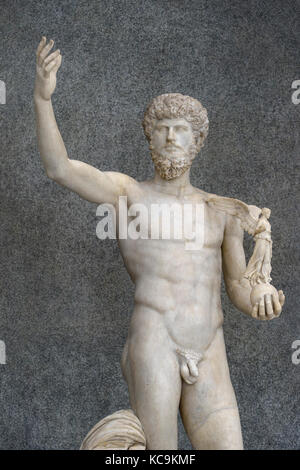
x=171 y=135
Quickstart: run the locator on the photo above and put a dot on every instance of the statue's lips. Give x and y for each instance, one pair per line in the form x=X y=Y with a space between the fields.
x=173 y=148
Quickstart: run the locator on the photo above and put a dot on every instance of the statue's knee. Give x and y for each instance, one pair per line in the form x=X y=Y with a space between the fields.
x=219 y=430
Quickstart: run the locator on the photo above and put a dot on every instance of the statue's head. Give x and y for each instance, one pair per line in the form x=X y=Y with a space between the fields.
x=176 y=127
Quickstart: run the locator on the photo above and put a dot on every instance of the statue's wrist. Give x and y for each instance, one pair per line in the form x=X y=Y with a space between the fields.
x=38 y=98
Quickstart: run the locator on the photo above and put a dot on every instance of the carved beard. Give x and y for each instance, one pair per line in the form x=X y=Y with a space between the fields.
x=170 y=167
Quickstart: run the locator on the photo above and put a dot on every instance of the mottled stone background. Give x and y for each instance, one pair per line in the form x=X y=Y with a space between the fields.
x=66 y=298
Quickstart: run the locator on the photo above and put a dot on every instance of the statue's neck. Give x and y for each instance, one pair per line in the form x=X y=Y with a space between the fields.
x=174 y=186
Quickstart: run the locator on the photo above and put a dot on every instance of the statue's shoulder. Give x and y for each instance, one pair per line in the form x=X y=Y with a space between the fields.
x=203 y=194
x=211 y=197
x=247 y=213
x=214 y=200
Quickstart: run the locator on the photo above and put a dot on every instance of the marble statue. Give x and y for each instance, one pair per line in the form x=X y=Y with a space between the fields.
x=174 y=358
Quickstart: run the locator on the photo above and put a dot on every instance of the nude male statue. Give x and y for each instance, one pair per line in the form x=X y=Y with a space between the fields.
x=174 y=357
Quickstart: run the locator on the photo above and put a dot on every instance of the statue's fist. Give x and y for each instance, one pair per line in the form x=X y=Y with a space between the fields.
x=46 y=69
x=266 y=301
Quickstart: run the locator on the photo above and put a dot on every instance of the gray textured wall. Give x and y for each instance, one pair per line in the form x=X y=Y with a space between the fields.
x=66 y=298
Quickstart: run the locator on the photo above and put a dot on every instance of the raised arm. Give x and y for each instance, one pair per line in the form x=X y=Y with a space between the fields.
x=238 y=287
x=89 y=182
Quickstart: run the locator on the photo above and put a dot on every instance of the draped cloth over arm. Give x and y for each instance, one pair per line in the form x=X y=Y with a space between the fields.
x=255 y=221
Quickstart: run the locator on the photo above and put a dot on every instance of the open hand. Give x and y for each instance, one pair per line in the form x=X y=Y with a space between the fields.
x=46 y=69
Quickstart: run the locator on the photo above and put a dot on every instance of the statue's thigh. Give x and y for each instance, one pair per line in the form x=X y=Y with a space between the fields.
x=208 y=407
x=154 y=386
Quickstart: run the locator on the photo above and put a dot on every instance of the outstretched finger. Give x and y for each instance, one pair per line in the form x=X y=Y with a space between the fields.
x=255 y=310
x=261 y=309
x=269 y=306
x=276 y=305
x=281 y=297
x=44 y=51
x=41 y=45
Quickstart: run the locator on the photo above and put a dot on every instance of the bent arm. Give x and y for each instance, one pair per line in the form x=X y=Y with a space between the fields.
x=234 y=266
x=87 y=181
x=269 y=303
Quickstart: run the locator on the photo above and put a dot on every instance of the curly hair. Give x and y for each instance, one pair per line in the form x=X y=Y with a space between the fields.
x=174 y=106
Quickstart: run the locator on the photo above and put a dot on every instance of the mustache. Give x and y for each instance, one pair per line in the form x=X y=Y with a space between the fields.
x=167 y=146
x=171 y=161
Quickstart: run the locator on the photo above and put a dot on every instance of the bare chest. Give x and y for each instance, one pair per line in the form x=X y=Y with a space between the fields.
x=186 y=220
x=176 y=239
